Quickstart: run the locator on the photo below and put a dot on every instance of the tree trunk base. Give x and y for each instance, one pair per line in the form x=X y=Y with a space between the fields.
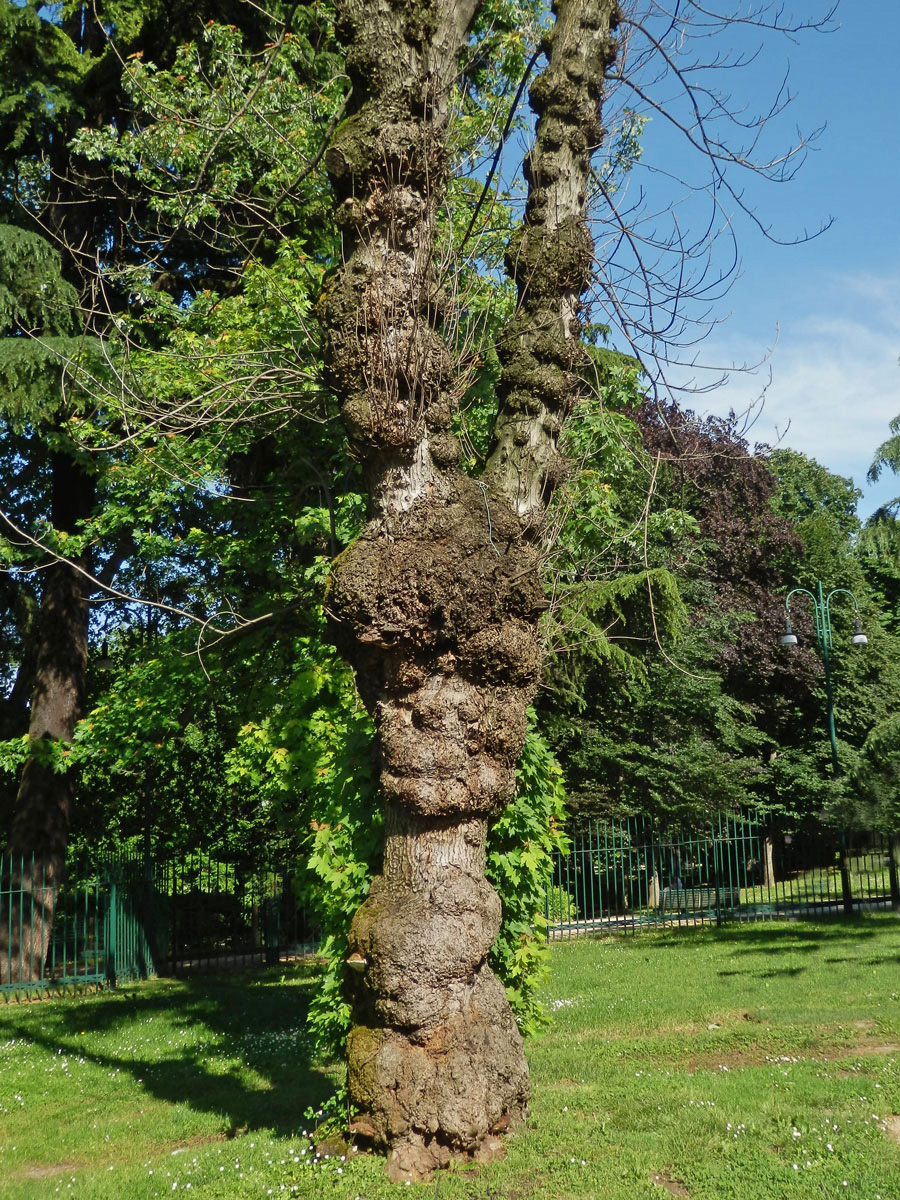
x=436 y=1067
x=417 y=1159
x=443 y=1097
x=768 y=862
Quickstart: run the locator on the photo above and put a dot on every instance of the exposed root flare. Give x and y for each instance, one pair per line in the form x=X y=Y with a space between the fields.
x=437 y=1097
x=415 y=1159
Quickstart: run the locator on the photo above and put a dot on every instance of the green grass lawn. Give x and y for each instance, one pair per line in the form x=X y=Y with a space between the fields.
x=756 y=1063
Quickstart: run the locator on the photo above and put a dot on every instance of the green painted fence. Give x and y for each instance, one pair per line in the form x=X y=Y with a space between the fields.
x=634 y=874
x=221 y=913
x=95 y=937
x=123 y=918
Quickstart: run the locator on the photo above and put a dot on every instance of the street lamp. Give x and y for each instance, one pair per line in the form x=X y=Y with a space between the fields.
x=788 y=638
x=824 y=639
x=822 y=613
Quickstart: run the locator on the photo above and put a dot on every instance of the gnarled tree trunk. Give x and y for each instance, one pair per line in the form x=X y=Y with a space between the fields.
x=436 y=604
x=39 y=833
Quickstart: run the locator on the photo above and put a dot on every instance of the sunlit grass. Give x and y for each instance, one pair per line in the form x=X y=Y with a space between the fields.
x=753 y=1063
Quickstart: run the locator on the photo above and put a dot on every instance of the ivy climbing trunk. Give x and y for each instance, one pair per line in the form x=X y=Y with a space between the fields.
x=436 y=604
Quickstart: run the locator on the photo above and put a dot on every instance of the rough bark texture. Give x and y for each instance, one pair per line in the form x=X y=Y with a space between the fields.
x=36 y=849
x=14 y=709
x=551 y=259
x=436 y=604
x=769 y=862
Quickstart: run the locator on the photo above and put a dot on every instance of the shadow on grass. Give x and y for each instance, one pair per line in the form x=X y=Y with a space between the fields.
x=800 y=938
x=258 y=1019
x=831 y=933
x=773 y=974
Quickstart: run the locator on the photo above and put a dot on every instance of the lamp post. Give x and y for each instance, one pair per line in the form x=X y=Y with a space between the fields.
x=821 y=604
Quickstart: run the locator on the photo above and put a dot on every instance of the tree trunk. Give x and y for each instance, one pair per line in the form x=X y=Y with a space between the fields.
x=14 y=710
x=768 y=862
x=893 y=847
x=436 y=604
x=39 y=833
x=654 y=891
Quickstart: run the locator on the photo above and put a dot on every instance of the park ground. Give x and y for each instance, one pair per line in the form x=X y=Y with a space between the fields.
x=756 y=1062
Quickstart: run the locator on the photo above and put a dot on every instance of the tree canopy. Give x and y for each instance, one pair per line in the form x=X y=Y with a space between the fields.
x=294 y=378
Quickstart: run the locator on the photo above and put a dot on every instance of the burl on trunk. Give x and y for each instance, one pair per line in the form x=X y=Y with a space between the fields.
x=436 y=604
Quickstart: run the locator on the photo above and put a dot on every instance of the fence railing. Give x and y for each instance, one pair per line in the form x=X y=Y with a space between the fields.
x=130 y=917
x=54 y=935
x=634 y=874
x=221 y=913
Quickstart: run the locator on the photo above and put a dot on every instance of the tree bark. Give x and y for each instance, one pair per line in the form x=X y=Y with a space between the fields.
x=36 y=849
x=894 y=880
x=551 y=260
x=654 y=890
x=14 y=710
x=768 y=862
x=436 y=604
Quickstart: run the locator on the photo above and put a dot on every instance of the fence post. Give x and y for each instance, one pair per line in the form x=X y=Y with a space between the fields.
x=716 y=866
x=846 y=889
x=111 y=932
x=271 y=917
x=893 y=844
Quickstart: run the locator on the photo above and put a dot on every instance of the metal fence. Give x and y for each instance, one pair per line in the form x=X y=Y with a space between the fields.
x=65 y=935
x=219 y=913
x=634 y=874
x=130 y=917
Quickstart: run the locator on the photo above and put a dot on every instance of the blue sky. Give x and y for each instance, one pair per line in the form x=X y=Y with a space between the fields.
x=823 y=317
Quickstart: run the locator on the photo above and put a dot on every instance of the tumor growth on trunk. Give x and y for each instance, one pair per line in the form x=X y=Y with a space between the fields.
x=436 y=604
x=307 y=347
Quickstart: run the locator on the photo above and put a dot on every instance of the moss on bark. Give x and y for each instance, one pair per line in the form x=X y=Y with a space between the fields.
x=436 y=604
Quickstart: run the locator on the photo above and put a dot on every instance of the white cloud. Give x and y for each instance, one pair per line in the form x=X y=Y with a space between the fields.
x=835 y=380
